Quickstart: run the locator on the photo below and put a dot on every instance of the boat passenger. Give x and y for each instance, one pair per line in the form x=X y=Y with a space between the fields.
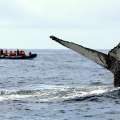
x=14 y=53
x=30 y=53
x=10 y=53
x=6 y=53
x=1 y=52
x=22 y=53
x=18 y=52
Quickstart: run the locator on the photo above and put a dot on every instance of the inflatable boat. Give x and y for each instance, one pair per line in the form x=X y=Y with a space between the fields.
x=19 y=57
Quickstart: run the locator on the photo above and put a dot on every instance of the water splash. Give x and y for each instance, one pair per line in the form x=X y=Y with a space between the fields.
x=51 y=93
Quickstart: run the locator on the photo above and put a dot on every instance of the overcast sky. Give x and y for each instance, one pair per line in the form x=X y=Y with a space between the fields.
x=29 y=23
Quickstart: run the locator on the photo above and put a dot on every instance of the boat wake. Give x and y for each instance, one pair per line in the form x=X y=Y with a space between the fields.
x=50 y=93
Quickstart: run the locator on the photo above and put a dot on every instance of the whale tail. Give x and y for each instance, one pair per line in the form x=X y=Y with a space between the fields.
x=96 y=56
x=110 y=61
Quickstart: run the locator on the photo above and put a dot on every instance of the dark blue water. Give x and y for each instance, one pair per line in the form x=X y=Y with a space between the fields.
x=57 y=85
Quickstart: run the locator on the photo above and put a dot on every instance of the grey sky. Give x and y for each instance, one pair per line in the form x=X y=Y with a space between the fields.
x=28 y=23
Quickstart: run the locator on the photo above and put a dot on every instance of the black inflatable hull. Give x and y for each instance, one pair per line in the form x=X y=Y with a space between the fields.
x=19 y=57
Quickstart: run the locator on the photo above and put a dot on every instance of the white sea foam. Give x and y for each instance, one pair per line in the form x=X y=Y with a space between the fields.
x=54 y=93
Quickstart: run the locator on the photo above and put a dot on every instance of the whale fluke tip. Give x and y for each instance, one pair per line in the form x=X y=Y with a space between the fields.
x=53 y=37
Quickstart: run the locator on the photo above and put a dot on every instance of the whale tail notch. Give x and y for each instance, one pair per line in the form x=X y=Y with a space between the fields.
x=96 y=56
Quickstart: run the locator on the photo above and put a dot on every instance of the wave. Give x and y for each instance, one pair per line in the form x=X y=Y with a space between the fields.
x=50 y=93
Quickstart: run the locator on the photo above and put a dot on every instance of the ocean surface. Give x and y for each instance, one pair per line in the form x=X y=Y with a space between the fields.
x=57 y=85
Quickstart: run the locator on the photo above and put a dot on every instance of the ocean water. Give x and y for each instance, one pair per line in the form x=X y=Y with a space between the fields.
x=57 y=85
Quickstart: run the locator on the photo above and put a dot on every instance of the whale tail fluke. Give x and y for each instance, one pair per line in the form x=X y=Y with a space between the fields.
x=96 y=56
x=115 y=52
